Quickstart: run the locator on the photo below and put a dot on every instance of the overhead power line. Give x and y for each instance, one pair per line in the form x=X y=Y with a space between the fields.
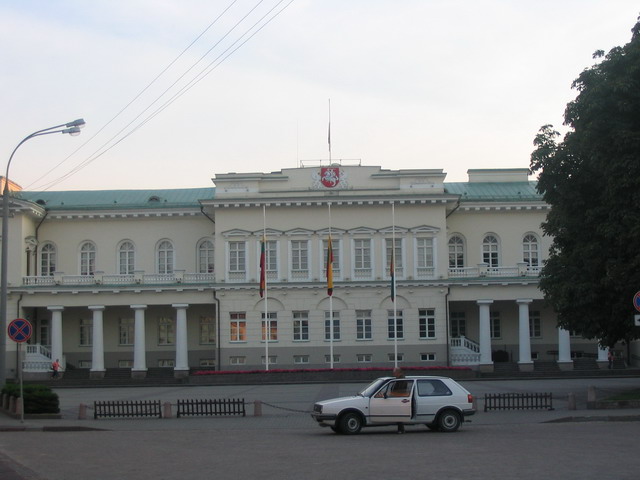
x=122 y=134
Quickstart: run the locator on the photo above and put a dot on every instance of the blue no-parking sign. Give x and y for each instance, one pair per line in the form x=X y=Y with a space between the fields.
x=20 y=330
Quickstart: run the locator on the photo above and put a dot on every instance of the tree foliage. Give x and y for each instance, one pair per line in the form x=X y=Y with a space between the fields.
x=591 y=180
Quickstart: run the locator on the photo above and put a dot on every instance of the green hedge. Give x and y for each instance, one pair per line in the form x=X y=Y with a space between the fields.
x=37 y=398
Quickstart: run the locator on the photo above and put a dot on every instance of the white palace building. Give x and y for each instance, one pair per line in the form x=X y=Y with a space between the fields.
x=143 y=279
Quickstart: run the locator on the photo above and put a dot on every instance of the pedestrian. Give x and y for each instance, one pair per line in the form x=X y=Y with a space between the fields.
x=55 y=366
x=610 y=357
x=398 y=373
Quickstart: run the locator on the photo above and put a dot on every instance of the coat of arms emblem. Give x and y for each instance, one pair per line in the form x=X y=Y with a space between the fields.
x=329 y=177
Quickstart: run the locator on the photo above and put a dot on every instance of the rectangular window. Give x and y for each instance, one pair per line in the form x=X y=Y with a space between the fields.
x=237 y=360
x=300 y=359
x=127 y=328
x=364 y=357
x=44 y=332
x=363 y=325
x=273 y=359
x=336 y=359
x=427 y=323
x=271 y=258
x=86 y=332
x=166 y=331
x=427 y=357
x=336 y=326
x=238 y=327
x=494 y=320
x=272 y=325
x=362 y=258
x=399 y=330
x=166 y=363
x=398 y=263
x=458 y=324
x=535 y=328
x=392 y=357
x=424 y=252
x=237 y=257
x=85 y=363
x=207 y=362
x=207 y=330
x=125 y=363
x=300 y=326
x=335 y=246
x=299 y=259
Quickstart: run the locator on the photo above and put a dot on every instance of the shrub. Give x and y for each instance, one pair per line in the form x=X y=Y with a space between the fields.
x=37 y=398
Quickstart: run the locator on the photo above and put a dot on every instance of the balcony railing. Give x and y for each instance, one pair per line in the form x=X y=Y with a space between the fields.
x=98 y=278
x=179 y=276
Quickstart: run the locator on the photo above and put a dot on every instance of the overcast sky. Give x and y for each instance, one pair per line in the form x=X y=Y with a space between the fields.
x=446 y=84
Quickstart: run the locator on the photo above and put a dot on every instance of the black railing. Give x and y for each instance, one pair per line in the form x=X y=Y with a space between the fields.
x=518 y=401
x=127 y=408
x=211 y=407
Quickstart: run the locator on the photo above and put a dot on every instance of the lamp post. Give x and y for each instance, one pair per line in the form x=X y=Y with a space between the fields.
x=72 y=128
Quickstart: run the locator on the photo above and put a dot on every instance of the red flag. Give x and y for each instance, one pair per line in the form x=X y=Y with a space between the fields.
x=263 y=266
x=329 y=267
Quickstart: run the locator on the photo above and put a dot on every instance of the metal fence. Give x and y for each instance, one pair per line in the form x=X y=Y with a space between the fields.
x=127 y=408
x=517 y=401
x=211 y=407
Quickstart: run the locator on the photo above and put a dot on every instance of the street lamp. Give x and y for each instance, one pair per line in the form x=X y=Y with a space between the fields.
x=71 y=128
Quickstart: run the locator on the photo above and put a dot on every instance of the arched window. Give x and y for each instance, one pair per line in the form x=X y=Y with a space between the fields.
x=48 y=259
x=456 y=252
x=530 y=254
x=126 y=258
x=165 y=257
x=205 y=256
x=87 y=258
x=490 y=250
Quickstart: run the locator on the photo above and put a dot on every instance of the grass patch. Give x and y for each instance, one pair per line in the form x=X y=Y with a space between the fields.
x=624 y=396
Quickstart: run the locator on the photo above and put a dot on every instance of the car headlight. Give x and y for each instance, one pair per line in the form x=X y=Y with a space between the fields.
x=317 y=408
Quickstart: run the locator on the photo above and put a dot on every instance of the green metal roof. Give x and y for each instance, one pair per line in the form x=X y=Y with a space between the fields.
x=494 y=191
x=85 y=199
x=189 y=197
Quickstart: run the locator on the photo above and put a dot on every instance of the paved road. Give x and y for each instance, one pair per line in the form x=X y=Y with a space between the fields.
x=284 y=443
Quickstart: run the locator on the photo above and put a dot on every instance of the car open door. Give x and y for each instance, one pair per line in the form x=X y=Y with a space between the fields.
x=393 y=402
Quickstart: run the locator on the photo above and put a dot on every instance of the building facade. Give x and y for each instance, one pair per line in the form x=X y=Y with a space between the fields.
x=142 y=279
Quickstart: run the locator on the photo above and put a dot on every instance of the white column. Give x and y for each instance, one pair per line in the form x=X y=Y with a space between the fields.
x=97 y=353
x=524 y=335
x=139 y=344
x=56 y=334
x=564 y=346
x=182 y=357
x=485 y=332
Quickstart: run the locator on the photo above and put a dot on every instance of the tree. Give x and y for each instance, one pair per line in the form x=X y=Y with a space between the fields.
x=591 y=180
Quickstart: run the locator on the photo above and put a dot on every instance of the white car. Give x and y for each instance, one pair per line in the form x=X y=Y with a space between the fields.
x=437 y=402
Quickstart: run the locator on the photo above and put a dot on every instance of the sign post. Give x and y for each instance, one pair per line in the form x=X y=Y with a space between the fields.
x=20 y=331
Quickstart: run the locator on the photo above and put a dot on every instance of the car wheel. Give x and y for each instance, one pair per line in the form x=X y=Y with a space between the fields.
x=350 y=423
x=449 y=421
x=432 y=426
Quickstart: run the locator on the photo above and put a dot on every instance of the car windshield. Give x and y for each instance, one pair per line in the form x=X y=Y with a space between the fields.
x=373 y=387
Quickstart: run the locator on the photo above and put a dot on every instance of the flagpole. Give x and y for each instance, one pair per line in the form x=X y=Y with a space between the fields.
x=329 y=247
x=329 y=141
x=267 y=333
x=393 y=285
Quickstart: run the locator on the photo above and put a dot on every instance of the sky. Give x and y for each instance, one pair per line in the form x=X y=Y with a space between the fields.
x=174 y=92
